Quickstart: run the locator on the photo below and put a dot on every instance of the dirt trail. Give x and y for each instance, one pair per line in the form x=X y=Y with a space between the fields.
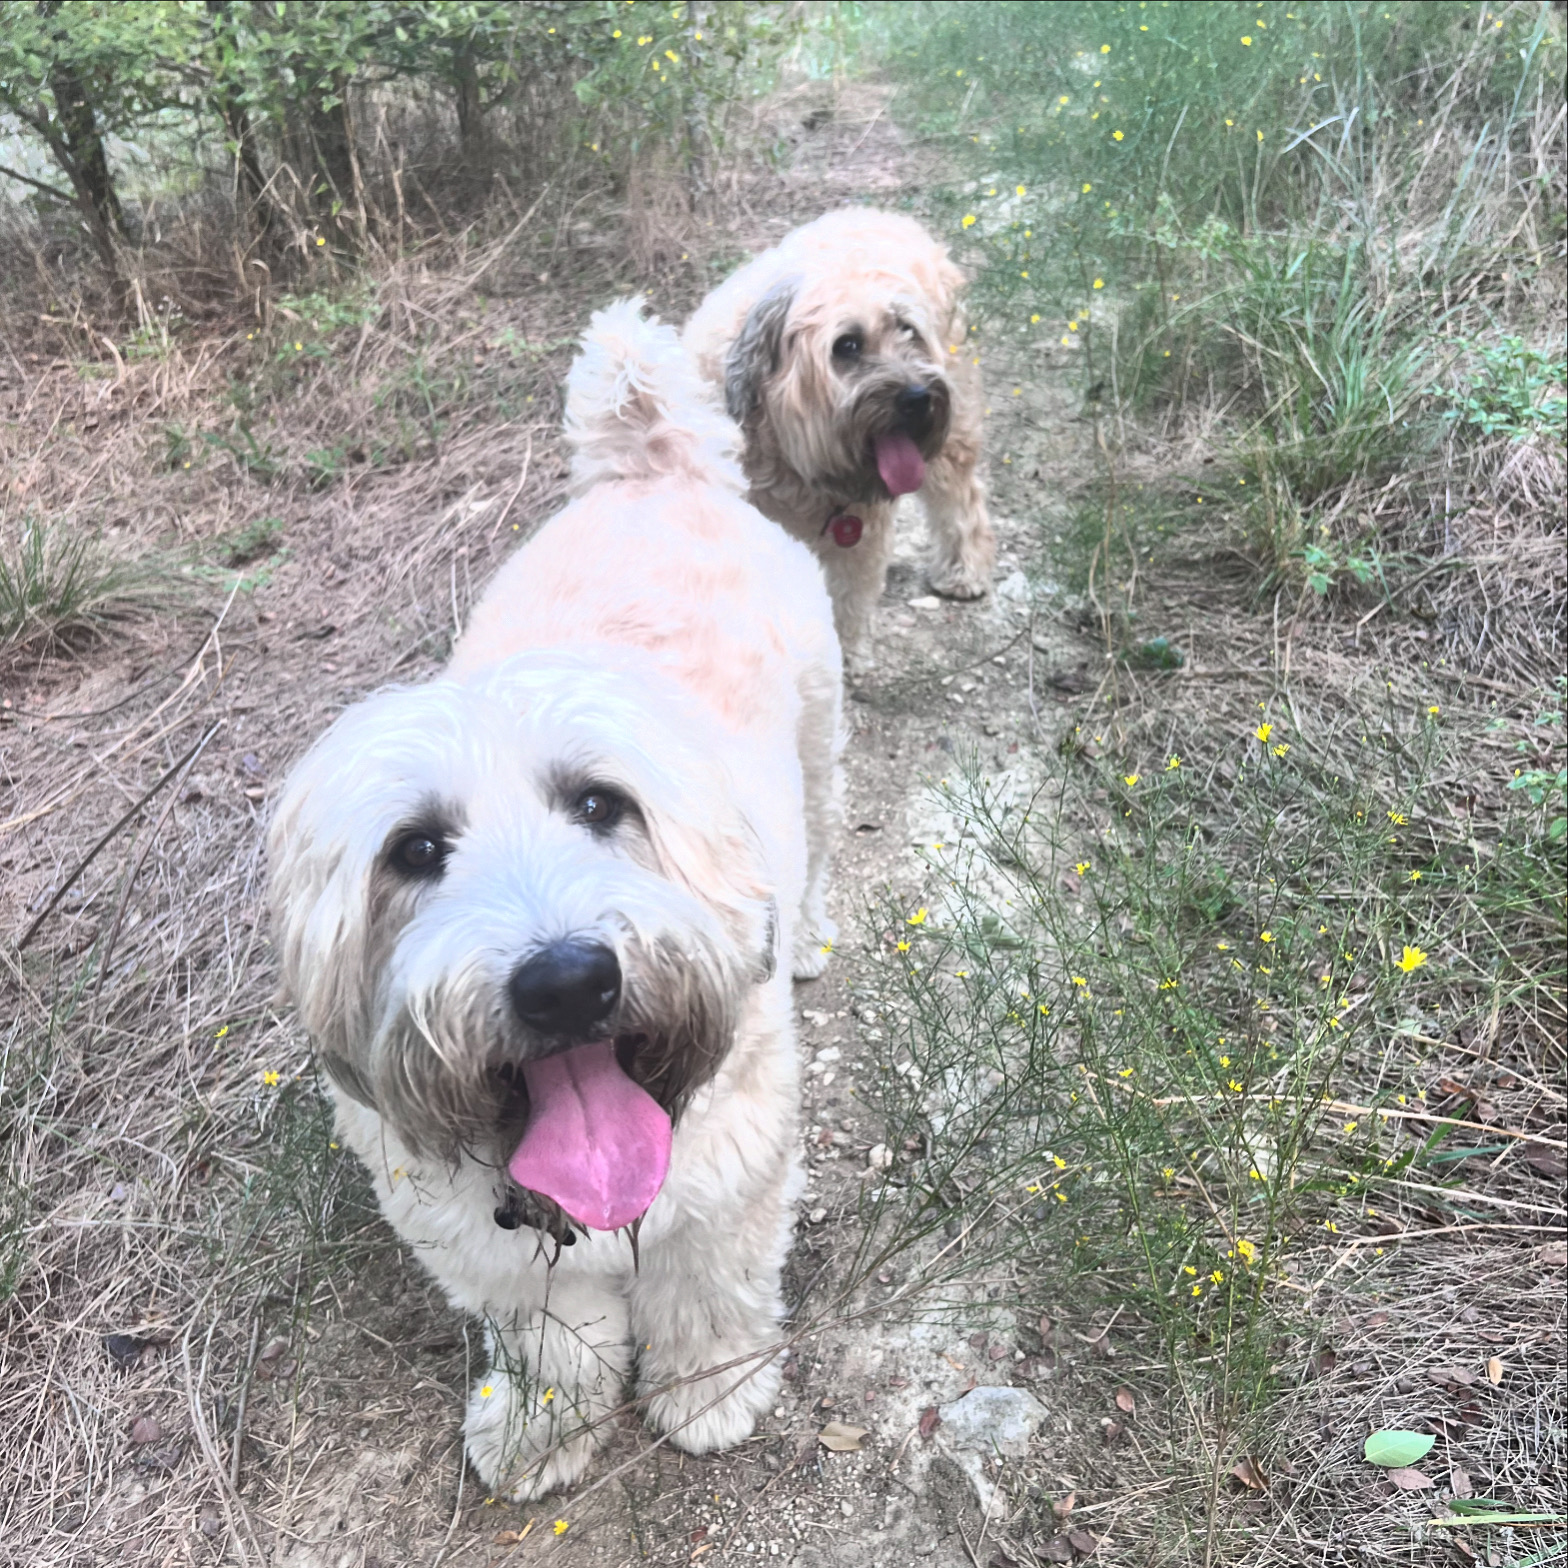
x=352 y=1456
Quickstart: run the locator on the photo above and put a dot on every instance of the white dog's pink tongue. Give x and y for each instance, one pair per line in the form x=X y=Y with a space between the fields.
x=900 y=464
x=597 y=1143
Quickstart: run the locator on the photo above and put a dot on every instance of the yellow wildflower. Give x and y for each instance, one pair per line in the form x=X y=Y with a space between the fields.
x=1411 y=958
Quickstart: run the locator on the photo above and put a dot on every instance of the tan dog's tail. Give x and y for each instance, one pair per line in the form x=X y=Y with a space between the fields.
x=636 y=409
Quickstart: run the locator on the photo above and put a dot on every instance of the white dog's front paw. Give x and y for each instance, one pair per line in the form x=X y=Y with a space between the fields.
x=521 y=1449
x=813 y=948
x=681 y=1411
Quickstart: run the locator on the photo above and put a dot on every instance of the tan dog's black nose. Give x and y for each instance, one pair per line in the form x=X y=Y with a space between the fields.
x=566 y=988
x=913 y=406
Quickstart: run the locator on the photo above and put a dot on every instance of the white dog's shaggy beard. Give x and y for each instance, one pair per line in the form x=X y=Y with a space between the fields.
x=540 y=917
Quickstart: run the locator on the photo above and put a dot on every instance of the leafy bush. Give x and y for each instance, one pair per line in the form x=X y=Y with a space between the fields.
x=1516 y=392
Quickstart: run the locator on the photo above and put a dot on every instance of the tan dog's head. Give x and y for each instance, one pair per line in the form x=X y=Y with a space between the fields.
x=839 y=378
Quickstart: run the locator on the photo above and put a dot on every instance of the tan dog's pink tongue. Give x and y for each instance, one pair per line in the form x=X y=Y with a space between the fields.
x=597 y=1143
x=900 y=464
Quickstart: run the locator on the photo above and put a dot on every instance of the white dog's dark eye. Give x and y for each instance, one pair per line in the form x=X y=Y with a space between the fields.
x=418 y=853
x=599 y=808
x=847 y=347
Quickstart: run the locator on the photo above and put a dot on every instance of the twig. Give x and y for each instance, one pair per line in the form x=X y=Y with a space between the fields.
x=1459 y=1193
x=1436 y=1230
x=48 y=190
x=516 y=489
x=230 y=1501
x=88 y=859
x=1347 y=1109
x=239 y=1412
x=141 y=860
x=757 y=1497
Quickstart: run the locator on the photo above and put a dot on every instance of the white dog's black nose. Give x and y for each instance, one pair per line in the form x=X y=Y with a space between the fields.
x=566 y=988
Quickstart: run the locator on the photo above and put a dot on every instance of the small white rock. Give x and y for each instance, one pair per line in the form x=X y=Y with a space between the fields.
x=927 y=601
x=880 y=1157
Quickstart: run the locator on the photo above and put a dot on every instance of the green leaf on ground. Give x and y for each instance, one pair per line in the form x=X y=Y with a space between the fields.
x=1397 y=1450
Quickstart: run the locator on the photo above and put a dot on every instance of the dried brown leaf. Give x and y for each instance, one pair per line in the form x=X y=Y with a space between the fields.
x=1409 y=1480
x=146 y=1429
x=1125 y=1401
x=1250 y=1472
x=1494 y=1370
x=930 y=1420
x=1064 y=1505
x=1083 y=1543
x=841 y=1438
x=1057 y=1550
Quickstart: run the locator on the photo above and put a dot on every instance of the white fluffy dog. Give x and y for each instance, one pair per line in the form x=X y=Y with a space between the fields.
x=539 y=915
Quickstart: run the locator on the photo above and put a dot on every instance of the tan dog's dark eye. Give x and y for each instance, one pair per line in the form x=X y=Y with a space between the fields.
x=599 y=808
x=848 y=346
x=419 y=853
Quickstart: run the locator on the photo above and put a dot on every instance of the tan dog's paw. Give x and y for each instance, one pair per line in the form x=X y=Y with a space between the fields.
x=958 y=582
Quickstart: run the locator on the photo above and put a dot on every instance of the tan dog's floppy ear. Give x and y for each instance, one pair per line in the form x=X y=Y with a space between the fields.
x=754 y=355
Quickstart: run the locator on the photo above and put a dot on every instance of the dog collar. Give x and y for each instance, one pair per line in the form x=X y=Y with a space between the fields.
x=846 y=529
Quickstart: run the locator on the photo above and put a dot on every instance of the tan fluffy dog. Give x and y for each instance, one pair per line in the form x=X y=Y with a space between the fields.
x=841 y=355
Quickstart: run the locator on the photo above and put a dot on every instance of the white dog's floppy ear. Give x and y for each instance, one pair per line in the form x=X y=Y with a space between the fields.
x=754 y=355
x=719 y=860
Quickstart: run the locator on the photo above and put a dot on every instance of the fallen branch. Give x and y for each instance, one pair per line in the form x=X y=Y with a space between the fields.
x=91 y=855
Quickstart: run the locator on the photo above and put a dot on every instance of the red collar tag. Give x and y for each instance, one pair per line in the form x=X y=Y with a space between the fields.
x=846 y=529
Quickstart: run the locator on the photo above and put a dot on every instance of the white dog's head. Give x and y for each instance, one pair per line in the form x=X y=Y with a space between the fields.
x=472 y=877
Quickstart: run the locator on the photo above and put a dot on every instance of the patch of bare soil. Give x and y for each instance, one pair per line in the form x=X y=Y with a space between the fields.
x=216 y=1353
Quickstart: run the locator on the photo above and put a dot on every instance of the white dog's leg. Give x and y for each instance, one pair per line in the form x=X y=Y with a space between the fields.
x=856 y=577
x=820 y=742
x=962 y=544
x=556 y=1369
x=705 y=1299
